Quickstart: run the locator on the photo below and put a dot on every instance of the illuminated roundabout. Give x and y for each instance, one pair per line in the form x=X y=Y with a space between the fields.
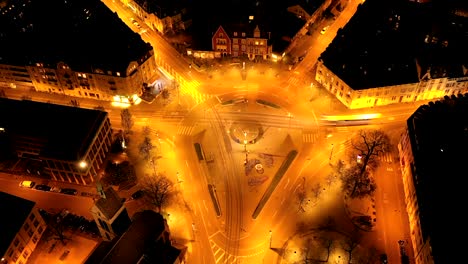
x=257 y=134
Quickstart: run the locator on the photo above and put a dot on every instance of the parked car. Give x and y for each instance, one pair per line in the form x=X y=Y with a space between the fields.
x=43 y=187
x=138 y=194
x=324 y=30
x=69 y=191
x=27 y=184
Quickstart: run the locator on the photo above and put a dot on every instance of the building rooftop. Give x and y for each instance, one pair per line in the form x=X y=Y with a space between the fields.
x=439 y=140
x=14 y=210
x=66 y=132
x=391 y=42
x=146 y=227
x=111 y=204
x=85 y=35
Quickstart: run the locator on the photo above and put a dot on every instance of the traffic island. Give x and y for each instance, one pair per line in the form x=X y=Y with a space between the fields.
x=274 y=182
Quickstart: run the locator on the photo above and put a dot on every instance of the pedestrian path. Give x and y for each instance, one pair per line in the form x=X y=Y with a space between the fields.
x=222 y=256
x=191 y=90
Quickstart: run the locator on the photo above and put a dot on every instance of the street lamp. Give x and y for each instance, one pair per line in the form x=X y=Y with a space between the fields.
x=83 y=164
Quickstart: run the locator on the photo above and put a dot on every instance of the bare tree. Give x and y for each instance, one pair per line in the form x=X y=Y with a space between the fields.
x=330 y=179
x=57 y=227
x=316 y=191
x=158 y=189
x=146 y=131
x=367 y=256
x=350 y=244
x=301 y=196
x=127 y=120
x=146 y=148
x=357 y=184
x=367 y=146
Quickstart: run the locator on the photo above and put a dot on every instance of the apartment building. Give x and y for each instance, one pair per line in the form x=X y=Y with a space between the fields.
x=71 y=142
x=382 y=56
x=237 y=40
x=104 y=59
x=432 y=160
x=21 y=228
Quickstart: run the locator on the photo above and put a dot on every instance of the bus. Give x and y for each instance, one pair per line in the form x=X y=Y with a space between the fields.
x=349 y=120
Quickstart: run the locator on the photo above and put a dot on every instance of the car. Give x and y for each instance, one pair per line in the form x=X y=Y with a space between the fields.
x=138 y=194
x=324 y=30
x=27 y=184
x=69 y=191
x=43 y=187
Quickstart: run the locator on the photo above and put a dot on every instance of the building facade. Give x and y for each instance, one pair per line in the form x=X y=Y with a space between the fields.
x=425 y=89
x=121 y=87
x=86 y=167
x=21 y=230
x=241 y=40
x=71 y=142
x=432 y=157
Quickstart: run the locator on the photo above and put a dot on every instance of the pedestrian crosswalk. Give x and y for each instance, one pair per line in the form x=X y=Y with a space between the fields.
x=222 y=256
x=346 y=144
x=190 y=90
x=386 y=157
x=185 y=130
x=342 y=129
x=294 y=81
x=309 y=136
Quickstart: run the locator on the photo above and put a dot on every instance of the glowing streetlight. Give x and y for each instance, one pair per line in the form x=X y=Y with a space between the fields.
x=83 y=164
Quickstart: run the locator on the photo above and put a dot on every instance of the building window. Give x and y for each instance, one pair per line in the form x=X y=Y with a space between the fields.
x=25 y=254
x=40 y=230
x=26 y=227
x=34 y=239
x=221 y=35
x=30 y=232
x=16 y=242
x=36 y=223
x=31 y=217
